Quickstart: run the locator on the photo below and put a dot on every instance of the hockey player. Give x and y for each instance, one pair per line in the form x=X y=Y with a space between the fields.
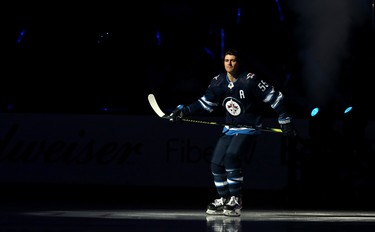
x=241 y=93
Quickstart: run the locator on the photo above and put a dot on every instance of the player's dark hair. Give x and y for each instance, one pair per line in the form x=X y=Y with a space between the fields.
x=233 y=52
x=236 y=53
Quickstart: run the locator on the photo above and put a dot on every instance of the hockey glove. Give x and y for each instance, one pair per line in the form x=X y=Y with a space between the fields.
x=177 y=114
x=287 y=126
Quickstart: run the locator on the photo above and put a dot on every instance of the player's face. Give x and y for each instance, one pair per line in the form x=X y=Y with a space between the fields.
x=230 y=63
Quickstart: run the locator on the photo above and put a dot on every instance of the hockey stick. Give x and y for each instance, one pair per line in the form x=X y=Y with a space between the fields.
x=161 y=114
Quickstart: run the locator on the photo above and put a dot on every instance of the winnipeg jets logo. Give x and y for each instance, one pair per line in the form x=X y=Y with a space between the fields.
x=233 y=106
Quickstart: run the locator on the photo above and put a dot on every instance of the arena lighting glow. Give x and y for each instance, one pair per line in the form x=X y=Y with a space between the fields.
x=280 y=12
x=158 y=37
x=21 y=35
x=209 y=52
x=238 y=15
x=348 y=109
x=314 y=112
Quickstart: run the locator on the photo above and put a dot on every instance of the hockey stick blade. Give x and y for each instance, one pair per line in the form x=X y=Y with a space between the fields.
x=155 y=106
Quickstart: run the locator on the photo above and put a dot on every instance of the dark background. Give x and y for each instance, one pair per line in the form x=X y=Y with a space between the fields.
x=74 y=57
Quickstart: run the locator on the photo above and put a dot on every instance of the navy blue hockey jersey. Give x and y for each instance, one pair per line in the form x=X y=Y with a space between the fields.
x=241 y=99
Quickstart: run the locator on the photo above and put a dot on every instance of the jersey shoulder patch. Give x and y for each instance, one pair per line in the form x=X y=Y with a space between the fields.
x=216 y=77
x=250 y=76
